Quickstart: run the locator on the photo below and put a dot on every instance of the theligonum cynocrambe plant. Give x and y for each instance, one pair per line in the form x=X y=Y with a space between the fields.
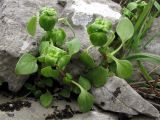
x=52 y=60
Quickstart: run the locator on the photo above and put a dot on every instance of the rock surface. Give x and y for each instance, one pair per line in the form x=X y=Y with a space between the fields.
x=118 y=96
x=14 y=40
x=60 y=109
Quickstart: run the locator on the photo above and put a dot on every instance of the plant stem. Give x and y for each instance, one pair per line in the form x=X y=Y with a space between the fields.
x=75 y=83
x=65 y=21
x=114 y=52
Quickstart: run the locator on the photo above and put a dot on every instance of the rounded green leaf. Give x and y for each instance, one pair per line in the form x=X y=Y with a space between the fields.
x=63 y=61
x=125 y=29
x=73 y=46
x=98 y=38
x=58 y=36
x=98 y=76
x=132 y=6
x=67 y=79
x=45 y=82
x=84 y=83
x=26 y=65
x=32 y=25
x=87 y=59
x=124 y=68
x=49 y=72
x=85 y=101
x=46 y=99
x=65 y=93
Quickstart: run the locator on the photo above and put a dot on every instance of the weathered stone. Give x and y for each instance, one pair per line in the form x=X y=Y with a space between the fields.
x=118 y=96
x=14 y=40
x=60 y=109
x=144 y=118
x=94 y=115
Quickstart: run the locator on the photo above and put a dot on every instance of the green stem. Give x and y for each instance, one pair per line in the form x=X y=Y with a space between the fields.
x=69 y=25
x=114 y=52
x=75 y=83
x=111 y=38
x=65 y=21
x=114 y=58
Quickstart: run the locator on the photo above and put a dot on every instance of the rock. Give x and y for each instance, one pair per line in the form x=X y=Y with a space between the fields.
x=94 y=115
x=14 y=40
x=144 y=118
x=118 y=96
x=32 y=110
x=84 y=11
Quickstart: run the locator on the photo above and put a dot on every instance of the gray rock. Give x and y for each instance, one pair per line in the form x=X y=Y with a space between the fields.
x=144 y=118
x=94 y=115
x=37 y=112
x=14 y=40
x=118 y=96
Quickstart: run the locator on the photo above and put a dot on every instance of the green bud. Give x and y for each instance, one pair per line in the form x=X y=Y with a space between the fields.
x=67 y=79
x=48 y=18
x=100 y=25
x=98 y=38
x=58 y=36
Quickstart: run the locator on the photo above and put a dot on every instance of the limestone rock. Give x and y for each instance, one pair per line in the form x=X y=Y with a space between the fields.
x=118 y=96
x=14 y=40
x=59 y=110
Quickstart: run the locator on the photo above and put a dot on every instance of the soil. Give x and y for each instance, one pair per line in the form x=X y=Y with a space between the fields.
x=14 y=105
x=61 y=114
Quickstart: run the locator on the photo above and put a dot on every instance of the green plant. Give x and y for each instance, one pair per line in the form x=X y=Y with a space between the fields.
x=142 y=16
x=52 y=60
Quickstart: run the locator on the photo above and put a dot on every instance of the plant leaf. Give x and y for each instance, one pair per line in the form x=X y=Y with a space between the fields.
x=98 y=38
x=46 y=99
x=43 y=48
x=26 y=65
x=49 y=72
x=30 y=87
x=45 y=82
x=85 y=101
x=63 y=61
x=65 y=93
x=98 y=76
x=125 y=29
x=124 y=68
x=32 y=25
x=145 y=57
x=73 y=46
x=84 y=83
x=132 y=6
x=87 y=59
